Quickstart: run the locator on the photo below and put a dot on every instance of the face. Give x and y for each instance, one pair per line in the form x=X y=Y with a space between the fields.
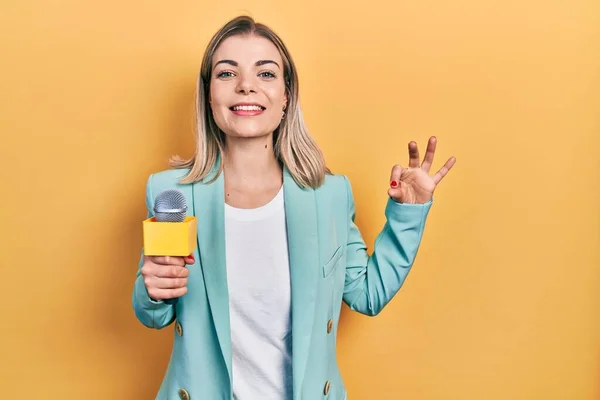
x=247 y=87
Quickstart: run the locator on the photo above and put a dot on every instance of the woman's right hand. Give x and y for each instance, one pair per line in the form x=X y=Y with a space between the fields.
x=166 y=277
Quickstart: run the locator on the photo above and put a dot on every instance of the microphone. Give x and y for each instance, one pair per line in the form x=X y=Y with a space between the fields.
x=170 y=206
x=170 y=232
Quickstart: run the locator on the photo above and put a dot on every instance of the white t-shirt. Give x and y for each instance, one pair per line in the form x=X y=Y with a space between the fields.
x=258 y=277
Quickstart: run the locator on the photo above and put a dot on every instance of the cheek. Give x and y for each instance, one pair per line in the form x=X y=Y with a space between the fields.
x=277 y=95
x=219 y=93
x=277 y=100
x=218 y=104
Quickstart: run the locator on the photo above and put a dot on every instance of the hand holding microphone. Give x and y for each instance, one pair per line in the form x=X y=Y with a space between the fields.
x=166 y=277
x=169 y=244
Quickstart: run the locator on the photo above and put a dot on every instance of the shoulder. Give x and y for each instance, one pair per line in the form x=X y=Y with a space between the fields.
x=336 y=188
x=332 y=182
x=166 y=179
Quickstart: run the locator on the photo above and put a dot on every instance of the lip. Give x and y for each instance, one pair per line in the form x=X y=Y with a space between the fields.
x=248 y=104
x=247 y=112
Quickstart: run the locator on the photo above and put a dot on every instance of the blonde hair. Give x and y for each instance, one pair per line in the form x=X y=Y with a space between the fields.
x=292 y=143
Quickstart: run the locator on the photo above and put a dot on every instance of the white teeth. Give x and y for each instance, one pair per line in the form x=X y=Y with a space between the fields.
x=247 y=108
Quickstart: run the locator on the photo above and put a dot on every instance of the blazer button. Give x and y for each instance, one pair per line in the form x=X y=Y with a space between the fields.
x=178 y=329
x=184 y=395
x=329 y=325
x=326 y=388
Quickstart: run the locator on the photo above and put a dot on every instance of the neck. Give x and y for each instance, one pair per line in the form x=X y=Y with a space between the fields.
x=251 y=163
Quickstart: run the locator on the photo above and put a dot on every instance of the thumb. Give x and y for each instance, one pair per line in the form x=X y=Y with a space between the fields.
x=189 y=259
x=398 y=193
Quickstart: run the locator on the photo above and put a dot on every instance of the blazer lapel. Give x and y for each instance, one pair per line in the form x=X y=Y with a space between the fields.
x=210 y=209
x=303 y=245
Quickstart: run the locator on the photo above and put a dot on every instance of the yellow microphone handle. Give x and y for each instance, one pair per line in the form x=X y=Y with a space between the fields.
x=170 y=238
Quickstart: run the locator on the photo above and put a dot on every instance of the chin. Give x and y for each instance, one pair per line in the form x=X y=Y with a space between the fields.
x=250 y=132
x=250 y=135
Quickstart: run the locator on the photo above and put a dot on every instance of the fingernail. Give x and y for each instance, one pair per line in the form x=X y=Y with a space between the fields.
x=393 y=184
x=192 y=257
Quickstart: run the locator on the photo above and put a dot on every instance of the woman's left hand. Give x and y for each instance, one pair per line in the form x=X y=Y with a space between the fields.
x=413 y=185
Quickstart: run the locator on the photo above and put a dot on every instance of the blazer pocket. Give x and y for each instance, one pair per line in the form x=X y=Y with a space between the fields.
x=330 y=265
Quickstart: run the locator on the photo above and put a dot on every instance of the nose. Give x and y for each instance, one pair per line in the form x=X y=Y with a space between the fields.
x=245 y=84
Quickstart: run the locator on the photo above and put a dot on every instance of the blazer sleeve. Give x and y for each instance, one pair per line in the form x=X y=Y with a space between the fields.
x=153 y=314
x=372 y=281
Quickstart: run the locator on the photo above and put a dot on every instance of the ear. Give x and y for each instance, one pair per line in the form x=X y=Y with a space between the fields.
x=285 y=100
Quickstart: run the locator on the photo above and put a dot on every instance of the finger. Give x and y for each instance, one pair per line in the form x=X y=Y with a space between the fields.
x=189 y=259
x=413 y=155
x=163 y=294
x=428 y=160
x=398 y=194
x=168 y=260
x=172 y=271
x=395 y=176
x=444 y=170
x=166 y=283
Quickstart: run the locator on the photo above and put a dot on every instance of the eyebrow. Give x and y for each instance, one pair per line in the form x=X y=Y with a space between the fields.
x=235 y=63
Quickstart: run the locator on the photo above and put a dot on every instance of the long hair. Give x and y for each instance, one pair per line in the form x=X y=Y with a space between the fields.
x=292 y=143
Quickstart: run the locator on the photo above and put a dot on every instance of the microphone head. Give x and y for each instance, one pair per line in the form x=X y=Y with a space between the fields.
x=170 y=206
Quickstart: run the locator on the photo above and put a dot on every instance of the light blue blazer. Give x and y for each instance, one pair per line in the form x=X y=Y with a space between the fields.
x=329 y=264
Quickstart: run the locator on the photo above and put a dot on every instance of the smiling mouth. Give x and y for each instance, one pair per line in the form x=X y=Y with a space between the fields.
x=247 y=108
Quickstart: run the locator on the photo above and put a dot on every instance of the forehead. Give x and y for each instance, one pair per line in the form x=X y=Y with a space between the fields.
x=247 y=49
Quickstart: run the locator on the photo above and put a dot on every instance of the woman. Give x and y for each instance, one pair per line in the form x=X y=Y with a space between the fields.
x=278 y=250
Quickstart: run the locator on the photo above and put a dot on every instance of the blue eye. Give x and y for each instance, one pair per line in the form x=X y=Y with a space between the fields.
x=267 y=74
x=225 y=74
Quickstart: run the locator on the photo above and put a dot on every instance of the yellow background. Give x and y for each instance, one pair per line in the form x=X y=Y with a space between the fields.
x=503 y=302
